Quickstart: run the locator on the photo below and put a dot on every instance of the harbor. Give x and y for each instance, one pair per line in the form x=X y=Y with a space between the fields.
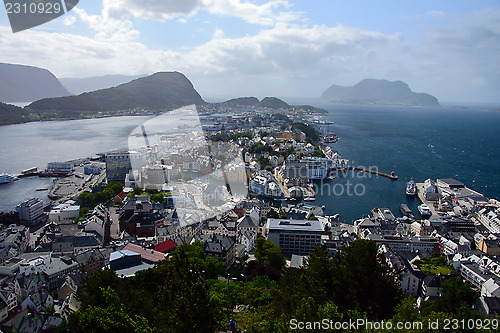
x=392 y=175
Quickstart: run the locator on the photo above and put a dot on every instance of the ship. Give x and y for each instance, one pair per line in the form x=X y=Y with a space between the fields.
x=330 y=138
x=5 y=178
x=424 y=210
x=411 y=187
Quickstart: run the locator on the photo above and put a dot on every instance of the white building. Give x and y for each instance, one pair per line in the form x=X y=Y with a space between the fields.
x=64 y=213
x=30 y=211
x=60 y=167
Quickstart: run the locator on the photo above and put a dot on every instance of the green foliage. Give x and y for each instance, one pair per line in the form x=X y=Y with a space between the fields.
x=264 y=163
x=434 y=265
x=268 y=253
x=138 y=191
x=117 y=187
x=457 y=298
x=318 y=152
x=259 y=147
x=159 y=91
x=158 y=198
x=308 y=130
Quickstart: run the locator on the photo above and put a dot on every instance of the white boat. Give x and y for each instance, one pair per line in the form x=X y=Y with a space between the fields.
x=5 y=178
x=411 y=187
x=424 y=210
x=309 y=199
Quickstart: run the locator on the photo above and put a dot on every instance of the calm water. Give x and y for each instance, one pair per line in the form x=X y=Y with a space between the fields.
x=35 y=144
x=414 y=142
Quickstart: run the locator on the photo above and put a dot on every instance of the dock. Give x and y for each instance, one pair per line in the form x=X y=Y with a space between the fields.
x=376 y=172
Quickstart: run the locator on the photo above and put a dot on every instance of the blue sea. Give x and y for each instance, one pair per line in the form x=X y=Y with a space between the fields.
x=413 y=142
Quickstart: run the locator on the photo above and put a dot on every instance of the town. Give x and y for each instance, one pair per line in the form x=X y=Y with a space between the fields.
x=226 y=176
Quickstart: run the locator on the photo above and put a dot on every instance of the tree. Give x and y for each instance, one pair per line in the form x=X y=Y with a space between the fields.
x=110 y=318
x=457 y=298
x=117 y=187
x=87 y=199
x=269 y=253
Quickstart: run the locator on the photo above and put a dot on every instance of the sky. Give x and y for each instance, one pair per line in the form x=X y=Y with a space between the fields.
x=283 y=48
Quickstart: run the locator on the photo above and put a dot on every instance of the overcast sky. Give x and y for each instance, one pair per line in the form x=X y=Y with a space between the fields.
x=283 y=48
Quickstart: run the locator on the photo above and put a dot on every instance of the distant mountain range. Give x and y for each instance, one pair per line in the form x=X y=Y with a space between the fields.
x=160 y=91
x=270 y=103
x=383 y=92
x=80 y=85
x=19 y=83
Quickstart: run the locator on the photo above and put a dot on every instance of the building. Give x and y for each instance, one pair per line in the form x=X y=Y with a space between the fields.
x=60 y=167
x=294 y=236
x=118 y=164
x=410 y=244
x=64 y=213
x=30 y=211
x=92 y=169
x=263 y=183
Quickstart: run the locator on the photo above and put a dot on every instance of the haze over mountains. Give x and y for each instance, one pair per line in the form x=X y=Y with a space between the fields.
x=383 y=92
x=78 y=86
x=19 y=83
x=163 y=90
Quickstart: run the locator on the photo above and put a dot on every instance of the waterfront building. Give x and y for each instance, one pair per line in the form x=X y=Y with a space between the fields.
x=30 y=211
x=294 y=236
x=118 y=164
x=92 y=169
x=60 y=167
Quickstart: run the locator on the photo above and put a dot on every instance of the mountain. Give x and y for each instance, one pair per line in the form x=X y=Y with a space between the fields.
x=273 y=103
x=371 y=91
x=19 y=83
x=10 y=114
x=241 y=101
x=80 y=85
x=160 y=91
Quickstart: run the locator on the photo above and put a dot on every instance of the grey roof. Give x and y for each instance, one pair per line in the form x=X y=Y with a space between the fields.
x=493 y=303
x=247 y=222
x=295 y=225
x=297 y=261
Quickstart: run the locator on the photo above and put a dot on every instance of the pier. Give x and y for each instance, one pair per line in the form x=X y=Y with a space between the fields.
x=376 y=172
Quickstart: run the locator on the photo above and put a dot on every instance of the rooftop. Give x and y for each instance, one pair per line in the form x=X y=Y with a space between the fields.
x=295 y=225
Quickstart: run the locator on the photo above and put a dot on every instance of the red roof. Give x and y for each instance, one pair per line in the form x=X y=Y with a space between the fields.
x=148 y=255
x=165 y=246
x=121 y=195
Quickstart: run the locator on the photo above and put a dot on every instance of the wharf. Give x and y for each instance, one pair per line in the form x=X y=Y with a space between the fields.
x=431 y=204
x=375 y=172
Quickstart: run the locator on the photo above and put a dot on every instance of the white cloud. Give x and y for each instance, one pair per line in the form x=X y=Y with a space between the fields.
x=159 y=10
x=69 y=20
x=457 y=58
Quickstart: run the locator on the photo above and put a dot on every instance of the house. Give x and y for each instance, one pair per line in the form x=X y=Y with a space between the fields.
x=90 y=261
x=430 y=190
x=147 y=255
x=432 y=285
x=98 y=221
x=167 y=246
x=220 y=247
x=488 y=306
x=69 y=286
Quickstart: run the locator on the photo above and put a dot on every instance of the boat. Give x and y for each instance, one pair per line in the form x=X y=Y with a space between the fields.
x=330 y=138
x=411 y=187
x=309 y=199
x=42 y=189
x=405 y=210
x=6 y=178
x=424 y=210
